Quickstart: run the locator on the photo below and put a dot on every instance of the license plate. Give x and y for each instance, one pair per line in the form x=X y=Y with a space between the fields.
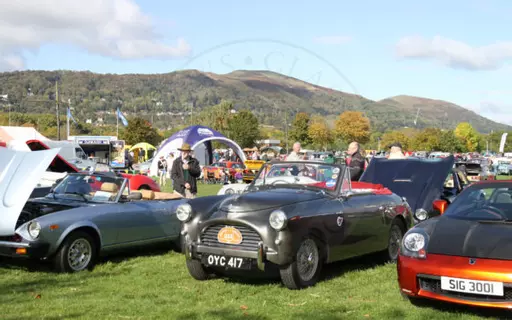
x=490 y=288
x=226 y=262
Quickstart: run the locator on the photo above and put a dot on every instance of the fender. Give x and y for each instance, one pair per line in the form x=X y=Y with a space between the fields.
x=72 y=228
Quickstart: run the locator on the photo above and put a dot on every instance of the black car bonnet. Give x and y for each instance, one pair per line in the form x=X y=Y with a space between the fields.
x=420 y=181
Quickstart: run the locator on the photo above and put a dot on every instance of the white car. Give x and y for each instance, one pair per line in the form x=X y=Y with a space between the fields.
x=233 y=188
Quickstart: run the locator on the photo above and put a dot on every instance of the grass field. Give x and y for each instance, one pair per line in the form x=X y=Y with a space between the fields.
x=156 y=285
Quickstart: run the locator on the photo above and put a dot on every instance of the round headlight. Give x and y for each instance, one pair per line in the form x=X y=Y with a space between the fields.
x=34 y=229
x=278 y=220
x=414 y=242
x=421 y=214
x=184 y=212
x=229 y=191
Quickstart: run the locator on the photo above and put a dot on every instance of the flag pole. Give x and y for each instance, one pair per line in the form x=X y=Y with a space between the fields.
x=67 y=121
x=117 y=126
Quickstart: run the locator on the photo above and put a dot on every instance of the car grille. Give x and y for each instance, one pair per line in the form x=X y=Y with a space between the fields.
x=250 y=238
x=433 y=284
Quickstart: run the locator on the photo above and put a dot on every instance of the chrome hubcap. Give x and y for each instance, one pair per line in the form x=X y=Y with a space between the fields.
x=307 y=260
x=79 y=254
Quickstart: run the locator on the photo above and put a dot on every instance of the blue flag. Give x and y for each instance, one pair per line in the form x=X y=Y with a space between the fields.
x=121 y=117
x=70 y=116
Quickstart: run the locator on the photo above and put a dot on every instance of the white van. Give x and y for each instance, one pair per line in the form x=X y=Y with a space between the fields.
x=72 y=153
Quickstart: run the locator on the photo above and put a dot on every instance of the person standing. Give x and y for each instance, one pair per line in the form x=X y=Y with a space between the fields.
x=355 y=161
x=162 y=170
x=396 y=152
x=295 y=154
x=170 y=161
x=142 y=155
x=185 y=171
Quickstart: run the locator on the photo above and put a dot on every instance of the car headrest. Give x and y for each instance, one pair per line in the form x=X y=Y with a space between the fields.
x=109 y=187
x=147 y=194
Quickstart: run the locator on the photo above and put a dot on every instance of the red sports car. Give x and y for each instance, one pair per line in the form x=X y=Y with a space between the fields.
x=463 y=256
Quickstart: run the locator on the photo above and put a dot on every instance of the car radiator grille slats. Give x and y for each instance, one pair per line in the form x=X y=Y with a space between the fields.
x=433 y=284
x=250 y=238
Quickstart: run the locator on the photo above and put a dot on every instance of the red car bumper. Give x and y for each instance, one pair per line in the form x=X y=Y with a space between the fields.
x=422 y=278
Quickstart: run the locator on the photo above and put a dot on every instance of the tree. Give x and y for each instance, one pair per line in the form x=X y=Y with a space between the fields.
x=140 y=130
x=395 y=136
x=244 y=128
x=319 y=132
x=448 y=142
x=216 y=117
x=353 y=126
x=427 y=140
x=468 y=136
x=299 y=131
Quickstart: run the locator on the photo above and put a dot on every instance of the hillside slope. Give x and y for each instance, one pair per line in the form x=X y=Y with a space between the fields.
x=168 y=98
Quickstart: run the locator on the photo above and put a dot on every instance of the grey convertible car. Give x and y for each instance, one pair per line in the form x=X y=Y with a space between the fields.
x=295 y=217
x=83 y=216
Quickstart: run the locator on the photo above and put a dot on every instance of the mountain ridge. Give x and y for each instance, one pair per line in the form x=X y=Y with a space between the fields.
x=268 y=94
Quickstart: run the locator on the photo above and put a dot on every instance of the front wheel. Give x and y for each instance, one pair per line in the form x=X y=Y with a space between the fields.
x=78 y=252
x=197 y=270
x=305 y=270
x=396 y=233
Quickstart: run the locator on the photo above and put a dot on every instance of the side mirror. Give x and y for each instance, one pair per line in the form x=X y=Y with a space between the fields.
x=440 y=206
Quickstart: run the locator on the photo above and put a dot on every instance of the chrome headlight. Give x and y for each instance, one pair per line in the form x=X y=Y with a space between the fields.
x=414 y=245
x=421 y=214
x=184 y=212
x=229 y=191
x=34 y=229
x=278 y=220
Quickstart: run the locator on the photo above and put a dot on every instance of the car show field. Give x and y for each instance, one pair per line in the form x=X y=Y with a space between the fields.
x=156 y=285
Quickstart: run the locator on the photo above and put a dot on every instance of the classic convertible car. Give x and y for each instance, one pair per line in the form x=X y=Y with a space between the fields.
x=295 y=216
x=84 y=216
x=465 y=255
x=59 y=166
x=420 y=181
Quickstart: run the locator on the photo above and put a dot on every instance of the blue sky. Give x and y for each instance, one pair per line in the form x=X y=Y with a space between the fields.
x=459 y=51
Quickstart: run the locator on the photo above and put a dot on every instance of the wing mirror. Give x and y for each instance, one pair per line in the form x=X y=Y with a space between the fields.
x=440 y=205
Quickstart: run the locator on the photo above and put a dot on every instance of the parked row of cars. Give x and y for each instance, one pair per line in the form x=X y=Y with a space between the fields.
x=450 y=237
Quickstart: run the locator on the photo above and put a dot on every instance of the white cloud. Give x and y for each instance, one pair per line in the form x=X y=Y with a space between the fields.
x=115 y=28
x=333 y=40
x=455 y=54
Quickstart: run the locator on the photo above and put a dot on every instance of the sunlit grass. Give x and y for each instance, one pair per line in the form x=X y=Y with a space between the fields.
x=156 y=285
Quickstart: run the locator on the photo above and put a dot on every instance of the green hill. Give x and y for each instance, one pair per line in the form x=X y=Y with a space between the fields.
x=169 y=98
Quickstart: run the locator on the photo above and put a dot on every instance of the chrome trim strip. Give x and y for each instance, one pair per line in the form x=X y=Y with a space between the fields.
x=14 y=244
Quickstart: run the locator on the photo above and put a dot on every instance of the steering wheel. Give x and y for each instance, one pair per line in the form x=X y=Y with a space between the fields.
x=493 y=210
x=279 y=181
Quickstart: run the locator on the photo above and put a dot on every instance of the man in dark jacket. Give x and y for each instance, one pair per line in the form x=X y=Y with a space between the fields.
x=184 y=173
x=355 y=161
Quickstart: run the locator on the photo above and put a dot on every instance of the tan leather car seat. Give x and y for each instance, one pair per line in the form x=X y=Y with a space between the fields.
x=147 y=194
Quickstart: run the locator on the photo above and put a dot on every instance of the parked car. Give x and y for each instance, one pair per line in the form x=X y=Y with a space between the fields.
x=420 y=181
x=295 y=216
x=59 y=167
x=463 y=256
x=84 y=216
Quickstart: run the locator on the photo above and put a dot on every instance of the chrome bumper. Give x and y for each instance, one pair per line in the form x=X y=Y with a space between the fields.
x=191 y=248
x=10 y=244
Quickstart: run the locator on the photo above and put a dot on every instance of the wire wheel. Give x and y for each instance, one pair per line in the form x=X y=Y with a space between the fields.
x=79 y=254
x=308 y=259
x=395 y=237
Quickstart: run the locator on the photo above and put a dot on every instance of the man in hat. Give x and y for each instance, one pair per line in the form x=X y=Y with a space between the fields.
x=184 y=173
x=395 y=151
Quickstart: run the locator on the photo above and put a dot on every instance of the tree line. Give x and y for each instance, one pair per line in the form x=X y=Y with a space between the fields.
x=312 y=131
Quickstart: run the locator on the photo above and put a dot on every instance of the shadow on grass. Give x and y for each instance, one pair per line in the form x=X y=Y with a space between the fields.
x=114 y=257
x=329 y=271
